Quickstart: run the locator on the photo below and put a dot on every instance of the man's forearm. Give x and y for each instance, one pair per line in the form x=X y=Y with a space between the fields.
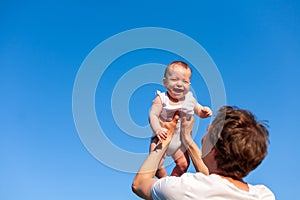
x=192 y=148
x=144 y=179
x=150 y=165
x=195 y=154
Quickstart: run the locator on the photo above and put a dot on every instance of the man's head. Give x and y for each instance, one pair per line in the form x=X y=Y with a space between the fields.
x=240 y=140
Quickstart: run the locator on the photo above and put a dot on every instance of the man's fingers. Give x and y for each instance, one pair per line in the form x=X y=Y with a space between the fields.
x=164 y=136
x=176 y=116
x=187 y=125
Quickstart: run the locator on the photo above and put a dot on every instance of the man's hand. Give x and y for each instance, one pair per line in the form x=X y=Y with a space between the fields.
x=187 y=123
x=162 y=134
x=170 y=126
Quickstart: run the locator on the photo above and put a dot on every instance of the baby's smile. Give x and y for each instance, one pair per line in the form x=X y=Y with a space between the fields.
x=178 y=90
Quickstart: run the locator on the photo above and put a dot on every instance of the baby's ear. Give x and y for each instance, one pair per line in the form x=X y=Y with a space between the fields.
x=165 y=81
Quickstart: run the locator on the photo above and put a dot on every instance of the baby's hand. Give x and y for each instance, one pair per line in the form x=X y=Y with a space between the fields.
x=162 y=134
x=206 y=112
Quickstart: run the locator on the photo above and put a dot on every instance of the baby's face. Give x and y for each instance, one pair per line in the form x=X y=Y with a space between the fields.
x=177 y=82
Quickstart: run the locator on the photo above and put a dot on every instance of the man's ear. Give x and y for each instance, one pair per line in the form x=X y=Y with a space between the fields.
x=213 y=151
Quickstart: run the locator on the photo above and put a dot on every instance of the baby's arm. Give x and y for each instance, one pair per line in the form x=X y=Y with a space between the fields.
x=202 y=111
x=155 y=111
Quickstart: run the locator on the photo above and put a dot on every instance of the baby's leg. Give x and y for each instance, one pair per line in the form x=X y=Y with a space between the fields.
x=161 y=171
x=182 y=161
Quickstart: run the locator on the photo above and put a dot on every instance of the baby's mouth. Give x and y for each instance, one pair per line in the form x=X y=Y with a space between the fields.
x=178 y=90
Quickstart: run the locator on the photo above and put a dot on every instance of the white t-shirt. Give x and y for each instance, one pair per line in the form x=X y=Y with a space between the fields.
x=192 y=186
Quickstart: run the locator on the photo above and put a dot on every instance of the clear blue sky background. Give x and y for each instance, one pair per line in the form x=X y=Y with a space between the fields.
x=255 y=45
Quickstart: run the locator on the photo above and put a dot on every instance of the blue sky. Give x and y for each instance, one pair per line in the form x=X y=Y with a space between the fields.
x=255 y=46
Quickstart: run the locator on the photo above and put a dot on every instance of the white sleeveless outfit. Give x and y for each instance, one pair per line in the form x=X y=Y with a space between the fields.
x=167 y=114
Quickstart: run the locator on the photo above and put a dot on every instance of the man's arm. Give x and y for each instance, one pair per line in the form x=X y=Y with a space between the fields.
x=192 y=148
x=144 y=178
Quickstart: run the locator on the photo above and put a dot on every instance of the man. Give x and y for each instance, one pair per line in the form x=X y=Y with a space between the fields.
x=234 y=145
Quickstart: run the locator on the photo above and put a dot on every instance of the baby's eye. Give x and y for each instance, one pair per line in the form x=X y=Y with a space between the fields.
x=186 y=82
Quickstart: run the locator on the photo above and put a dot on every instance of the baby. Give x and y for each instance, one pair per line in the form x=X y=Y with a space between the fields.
x=177 y=98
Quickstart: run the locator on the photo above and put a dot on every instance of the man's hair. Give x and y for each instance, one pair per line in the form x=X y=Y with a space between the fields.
x=242 y=141
x=176 y=64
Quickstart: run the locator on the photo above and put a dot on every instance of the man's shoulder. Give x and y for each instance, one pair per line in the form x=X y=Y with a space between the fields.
x=262 y=191
x=186 y=178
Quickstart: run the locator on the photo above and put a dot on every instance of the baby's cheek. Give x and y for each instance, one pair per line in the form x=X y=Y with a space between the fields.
x=186 y=90
x=170 y=86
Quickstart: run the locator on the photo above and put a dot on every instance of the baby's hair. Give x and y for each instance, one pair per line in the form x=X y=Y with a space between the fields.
x=174 y=64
